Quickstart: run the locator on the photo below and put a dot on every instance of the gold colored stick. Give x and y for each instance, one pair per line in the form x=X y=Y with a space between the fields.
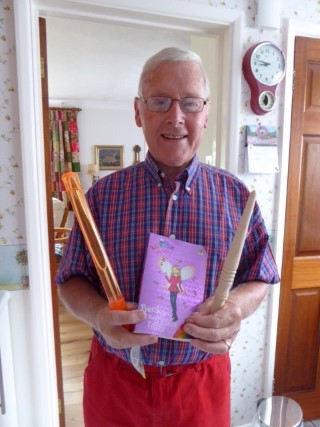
x=232 y=260
x=93 y=240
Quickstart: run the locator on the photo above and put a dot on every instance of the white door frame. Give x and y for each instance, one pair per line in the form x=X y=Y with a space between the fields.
x=172 y=14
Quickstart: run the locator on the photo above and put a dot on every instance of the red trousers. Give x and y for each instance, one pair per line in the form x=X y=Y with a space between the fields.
x=116 y=395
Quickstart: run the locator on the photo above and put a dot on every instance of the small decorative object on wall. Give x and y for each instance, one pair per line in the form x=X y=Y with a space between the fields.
x=109 y=157
x=22 y=259
x=93 y=170
x=263 y=68
x=136 y=150
x=262 y=149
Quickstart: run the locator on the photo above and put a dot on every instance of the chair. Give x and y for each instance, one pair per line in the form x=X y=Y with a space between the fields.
x=61 y=235
x=60 y=212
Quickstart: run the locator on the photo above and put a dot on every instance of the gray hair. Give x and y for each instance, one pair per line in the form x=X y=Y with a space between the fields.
x=171 y=54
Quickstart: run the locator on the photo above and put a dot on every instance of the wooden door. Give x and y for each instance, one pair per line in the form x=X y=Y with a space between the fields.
x=297 y=370
x=47 y=160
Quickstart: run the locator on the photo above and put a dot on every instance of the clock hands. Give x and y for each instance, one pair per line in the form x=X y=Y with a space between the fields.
x=265 y=64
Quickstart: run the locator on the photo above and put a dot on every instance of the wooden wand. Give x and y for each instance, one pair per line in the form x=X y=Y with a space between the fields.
x=232 y=260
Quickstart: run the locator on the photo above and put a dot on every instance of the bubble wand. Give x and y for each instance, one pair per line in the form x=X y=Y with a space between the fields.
x=232 y=260
x=93 y=241
x=100 y=258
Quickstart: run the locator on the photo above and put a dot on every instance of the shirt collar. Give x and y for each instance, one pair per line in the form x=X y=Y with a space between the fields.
x=188 y=175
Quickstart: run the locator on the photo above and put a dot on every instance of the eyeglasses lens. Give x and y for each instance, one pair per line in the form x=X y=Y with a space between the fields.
x=162 y=104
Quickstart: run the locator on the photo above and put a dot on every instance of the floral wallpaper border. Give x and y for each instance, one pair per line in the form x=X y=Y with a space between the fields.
x=12 y=214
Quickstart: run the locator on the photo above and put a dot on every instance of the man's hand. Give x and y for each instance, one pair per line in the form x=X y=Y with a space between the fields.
x=114 y=325
x=215 y=333
x=84 y=303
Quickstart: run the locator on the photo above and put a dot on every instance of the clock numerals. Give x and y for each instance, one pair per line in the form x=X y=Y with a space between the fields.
x=267 y=64
x=266 y=79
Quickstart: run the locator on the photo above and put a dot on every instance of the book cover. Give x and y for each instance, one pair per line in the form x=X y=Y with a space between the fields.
x=172 y=285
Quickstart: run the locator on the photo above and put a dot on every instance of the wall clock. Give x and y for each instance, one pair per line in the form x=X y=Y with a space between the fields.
x=263 y=68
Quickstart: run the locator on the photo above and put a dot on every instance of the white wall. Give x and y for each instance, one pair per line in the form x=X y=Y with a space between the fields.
x=107 y=126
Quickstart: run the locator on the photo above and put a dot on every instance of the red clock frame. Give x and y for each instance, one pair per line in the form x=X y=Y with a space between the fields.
x=256 y=87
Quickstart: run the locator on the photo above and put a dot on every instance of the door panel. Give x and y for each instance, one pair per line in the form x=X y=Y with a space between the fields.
x=301 y=368
x=309 y=212
x=297 y=370
x=305 y=273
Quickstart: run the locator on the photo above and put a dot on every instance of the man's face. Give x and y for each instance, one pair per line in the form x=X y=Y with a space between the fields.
x=173 y=137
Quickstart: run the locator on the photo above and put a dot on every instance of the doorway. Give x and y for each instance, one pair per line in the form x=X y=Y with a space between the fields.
x=200 y=20
x=88 y=69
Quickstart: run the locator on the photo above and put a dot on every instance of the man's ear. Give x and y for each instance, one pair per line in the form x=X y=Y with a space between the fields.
x=137 y=113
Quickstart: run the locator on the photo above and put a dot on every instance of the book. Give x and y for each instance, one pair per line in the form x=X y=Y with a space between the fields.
x=172 y=285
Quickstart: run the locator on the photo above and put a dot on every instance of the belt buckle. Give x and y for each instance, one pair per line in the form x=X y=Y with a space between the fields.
x=162 y=373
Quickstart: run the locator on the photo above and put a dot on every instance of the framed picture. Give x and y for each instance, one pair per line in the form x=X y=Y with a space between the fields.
x=109 y=157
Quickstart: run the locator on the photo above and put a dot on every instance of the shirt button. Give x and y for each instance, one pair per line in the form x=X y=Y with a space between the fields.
x=159 y=184
x=172 y=236
x=174 y=197
x=188 y=189
x=162 y=174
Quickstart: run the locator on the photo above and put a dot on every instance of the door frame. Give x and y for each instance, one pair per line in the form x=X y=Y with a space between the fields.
x=167 y=13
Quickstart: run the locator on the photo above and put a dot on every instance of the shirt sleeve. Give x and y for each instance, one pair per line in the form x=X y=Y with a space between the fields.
x=257 y=261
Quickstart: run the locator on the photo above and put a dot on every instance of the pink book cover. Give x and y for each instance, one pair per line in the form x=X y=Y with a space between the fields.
x=172 y=285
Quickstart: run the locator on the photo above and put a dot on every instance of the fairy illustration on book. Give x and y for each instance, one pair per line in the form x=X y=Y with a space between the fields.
x=172 y=285
x=174 y=276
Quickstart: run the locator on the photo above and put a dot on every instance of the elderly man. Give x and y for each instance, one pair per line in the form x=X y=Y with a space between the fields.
x=172 y=194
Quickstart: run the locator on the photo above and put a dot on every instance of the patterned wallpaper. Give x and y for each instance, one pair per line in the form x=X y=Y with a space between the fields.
x=248 y=351
x=13 y=259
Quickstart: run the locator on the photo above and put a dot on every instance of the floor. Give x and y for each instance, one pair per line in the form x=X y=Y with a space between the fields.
x=315 y=423
x=75 y=339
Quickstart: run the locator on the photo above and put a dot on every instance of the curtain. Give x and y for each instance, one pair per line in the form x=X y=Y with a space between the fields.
x=64 y=141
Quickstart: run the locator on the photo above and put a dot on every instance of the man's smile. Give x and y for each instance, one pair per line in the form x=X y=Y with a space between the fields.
x=177 y=137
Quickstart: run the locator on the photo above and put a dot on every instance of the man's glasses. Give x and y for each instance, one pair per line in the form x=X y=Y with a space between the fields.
x=162 y=104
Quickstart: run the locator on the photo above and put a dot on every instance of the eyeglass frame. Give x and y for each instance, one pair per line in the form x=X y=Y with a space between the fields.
x=145 y=100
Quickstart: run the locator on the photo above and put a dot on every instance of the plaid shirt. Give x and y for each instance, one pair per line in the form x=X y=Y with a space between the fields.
x=202 y=206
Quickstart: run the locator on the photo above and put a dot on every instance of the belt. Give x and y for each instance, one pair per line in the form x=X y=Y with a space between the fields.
x=156 y=371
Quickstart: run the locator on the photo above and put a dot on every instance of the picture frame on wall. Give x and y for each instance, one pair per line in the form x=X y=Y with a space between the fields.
x=109 y=157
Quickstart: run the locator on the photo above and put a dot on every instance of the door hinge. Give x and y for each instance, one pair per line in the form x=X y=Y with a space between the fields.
x=273 y=385
x=60 y=406
x=293 y=80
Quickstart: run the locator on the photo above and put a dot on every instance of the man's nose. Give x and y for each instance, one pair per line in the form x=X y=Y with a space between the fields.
x=175 y=114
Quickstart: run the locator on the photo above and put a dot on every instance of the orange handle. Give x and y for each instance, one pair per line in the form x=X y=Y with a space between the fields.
x=118 y=304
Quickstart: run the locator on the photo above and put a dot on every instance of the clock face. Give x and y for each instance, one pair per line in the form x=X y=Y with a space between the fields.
x=267 y=64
